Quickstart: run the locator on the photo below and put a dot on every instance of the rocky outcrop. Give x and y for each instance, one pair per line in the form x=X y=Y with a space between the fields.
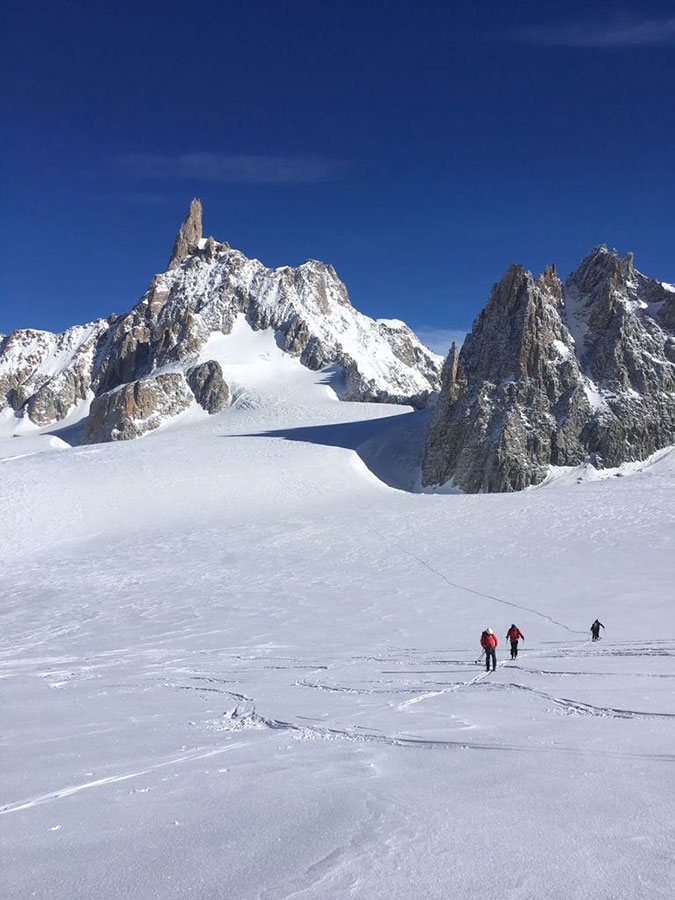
x=207 y=287
x=133 y=410
x=189 y=235
x=208 y=386
x=554 y=375
x=46 y=376
x=161 y=330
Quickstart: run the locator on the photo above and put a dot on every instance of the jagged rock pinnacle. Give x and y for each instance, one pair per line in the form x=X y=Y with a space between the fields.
x=557 y=375
x=189 y=235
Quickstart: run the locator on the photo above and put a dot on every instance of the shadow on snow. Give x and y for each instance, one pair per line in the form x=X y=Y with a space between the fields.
x=391 y=447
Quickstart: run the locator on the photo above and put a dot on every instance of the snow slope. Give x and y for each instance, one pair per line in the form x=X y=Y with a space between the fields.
x=234 y=663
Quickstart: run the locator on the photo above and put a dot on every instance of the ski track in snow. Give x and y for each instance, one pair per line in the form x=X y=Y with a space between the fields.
x=62 y=793
x=243 y=714
x=234 y=677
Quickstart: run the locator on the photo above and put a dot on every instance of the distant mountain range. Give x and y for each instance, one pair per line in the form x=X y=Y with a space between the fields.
x=551 y=374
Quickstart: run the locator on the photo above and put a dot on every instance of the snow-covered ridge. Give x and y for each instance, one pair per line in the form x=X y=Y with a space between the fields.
x=156 y=348
x=310 y=309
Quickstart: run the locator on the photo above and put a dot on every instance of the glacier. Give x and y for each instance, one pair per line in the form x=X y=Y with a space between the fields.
x=236 y=663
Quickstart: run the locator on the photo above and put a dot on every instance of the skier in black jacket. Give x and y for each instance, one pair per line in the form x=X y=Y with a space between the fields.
x=595 y=629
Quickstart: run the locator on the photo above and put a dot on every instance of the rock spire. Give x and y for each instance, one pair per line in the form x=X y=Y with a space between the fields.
x=189 y=235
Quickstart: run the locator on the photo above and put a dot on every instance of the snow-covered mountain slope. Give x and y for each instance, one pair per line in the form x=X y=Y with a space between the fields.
x=236 y=664
x=554 y=375
x=135 y=371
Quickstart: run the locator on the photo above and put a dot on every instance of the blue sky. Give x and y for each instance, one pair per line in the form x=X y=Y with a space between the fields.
x=419 y=147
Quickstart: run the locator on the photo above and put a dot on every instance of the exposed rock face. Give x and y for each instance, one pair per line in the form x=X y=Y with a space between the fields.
x=132 y=410
x=206 y=288
x=162 y=329
x=48 y=375
x=208 y=386
x=189 y=235
x=554 y=375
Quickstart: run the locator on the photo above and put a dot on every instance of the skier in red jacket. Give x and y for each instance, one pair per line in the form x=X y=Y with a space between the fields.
x=489 y=643
x=514 y=635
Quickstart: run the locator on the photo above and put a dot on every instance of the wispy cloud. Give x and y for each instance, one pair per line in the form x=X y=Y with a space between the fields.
x=233 y=169
x=440 y=339
x=615 y=32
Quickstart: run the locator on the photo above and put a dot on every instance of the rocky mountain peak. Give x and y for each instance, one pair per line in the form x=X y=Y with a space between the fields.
x=603 y=269
x=519 y=318
x=189 y=235
x=602 y=283
x=554 y=375
x=619 y=320
x=549 y=281
x=129 y=373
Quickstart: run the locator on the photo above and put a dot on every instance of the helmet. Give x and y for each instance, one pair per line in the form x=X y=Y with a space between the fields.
x=488 y=631
x=512 y=625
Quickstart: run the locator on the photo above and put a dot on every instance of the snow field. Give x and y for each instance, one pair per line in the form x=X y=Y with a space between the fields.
x=236 y=664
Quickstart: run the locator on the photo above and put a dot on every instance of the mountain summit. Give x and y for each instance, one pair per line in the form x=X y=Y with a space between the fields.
x=130 y=373
x=189 y=235
x=557 y=375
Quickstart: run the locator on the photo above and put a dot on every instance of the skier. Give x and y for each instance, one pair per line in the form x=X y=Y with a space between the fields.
x=489 y=643
x=514 y=635
x=595 y=629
